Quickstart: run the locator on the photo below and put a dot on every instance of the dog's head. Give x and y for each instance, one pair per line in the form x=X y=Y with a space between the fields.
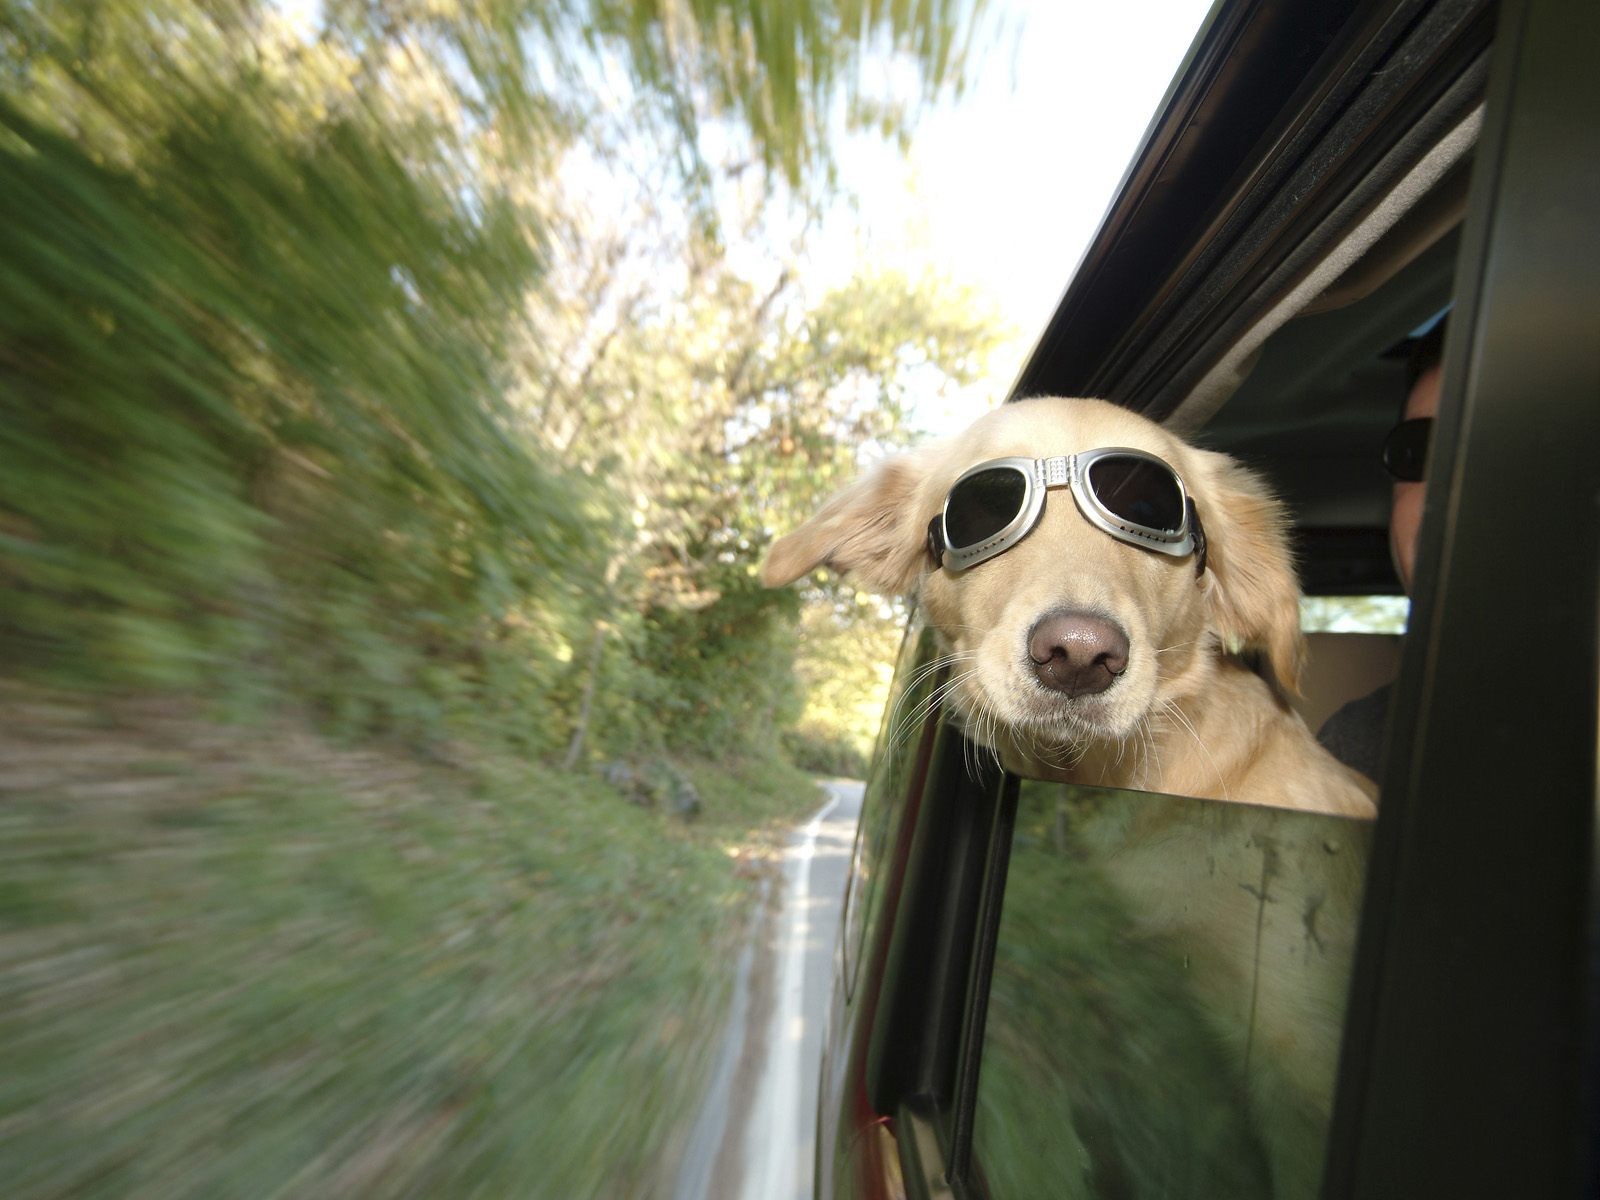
x=1071 y=634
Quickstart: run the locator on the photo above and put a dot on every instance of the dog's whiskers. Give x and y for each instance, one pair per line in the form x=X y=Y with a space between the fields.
x=900 y=723
x=926 y=705
x=993 y=738
x=1182 y=719
x=938 y=664
x=1175 y=646
x=1155 y=752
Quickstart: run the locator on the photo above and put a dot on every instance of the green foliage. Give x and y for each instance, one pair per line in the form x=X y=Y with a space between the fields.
x=237 y=966
x=296 y=406
x=778 y=68
x=826 y=752
x=724 y=408
x=849 y=644
x=323 y=399
x=1354 y=614
x=237 y=426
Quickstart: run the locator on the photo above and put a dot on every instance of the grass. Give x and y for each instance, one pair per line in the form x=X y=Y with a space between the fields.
x=234 y=964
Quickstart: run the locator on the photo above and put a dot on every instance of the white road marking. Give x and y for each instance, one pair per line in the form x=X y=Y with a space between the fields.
x=773 y=1133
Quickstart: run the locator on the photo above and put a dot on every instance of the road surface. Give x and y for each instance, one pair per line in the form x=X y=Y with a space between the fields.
x=753 y=1138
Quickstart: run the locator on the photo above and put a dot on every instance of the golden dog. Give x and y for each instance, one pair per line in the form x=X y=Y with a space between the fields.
x=1081 y=657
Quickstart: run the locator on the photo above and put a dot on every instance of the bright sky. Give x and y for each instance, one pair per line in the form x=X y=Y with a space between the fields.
x=1005 y=187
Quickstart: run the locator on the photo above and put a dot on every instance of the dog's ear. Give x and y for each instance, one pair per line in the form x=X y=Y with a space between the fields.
x=869 y=531
x=1254 y=595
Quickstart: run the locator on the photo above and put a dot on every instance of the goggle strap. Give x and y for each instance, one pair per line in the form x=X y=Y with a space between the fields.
x=1197 y=532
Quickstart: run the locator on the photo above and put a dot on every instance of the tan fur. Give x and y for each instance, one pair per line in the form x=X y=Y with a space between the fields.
x=1188 y=716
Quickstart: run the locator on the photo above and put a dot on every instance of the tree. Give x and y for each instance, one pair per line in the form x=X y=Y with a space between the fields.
x=297 y=398
x=720 y=400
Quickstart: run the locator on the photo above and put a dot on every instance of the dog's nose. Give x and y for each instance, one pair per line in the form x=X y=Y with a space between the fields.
x=1077 y=653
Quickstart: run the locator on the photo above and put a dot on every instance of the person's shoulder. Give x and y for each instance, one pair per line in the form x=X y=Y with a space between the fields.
x=1354 y=734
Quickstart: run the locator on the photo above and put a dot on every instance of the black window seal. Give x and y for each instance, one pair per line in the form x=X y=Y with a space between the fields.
x=914 y=1034
x=981 y=976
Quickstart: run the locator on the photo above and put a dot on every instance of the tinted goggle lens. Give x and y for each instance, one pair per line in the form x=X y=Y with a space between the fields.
x=1405 y=450
x=983 y=504
x=1134 y=490
x=1138 y=491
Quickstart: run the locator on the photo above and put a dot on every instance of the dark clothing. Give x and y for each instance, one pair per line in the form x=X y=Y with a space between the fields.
x=1354 y=734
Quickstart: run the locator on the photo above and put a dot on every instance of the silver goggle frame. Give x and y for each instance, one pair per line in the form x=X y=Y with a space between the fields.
x=1068 y=471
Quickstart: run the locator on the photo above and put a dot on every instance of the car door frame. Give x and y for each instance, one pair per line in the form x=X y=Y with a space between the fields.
x=1469 y=1060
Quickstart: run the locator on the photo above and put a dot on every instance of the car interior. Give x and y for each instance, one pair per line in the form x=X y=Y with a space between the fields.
x=1311 y=406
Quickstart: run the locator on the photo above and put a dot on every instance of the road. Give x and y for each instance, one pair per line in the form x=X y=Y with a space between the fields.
x=753 y=1138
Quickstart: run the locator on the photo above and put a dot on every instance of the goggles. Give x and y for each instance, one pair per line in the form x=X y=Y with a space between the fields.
x=1405 y=450
x=1133 y=496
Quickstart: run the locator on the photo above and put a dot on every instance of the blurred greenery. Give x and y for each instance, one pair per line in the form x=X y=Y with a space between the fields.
x=366 y=487
x=255 y=965
x=1354 y=614
x=312 y=390
x=850 y=648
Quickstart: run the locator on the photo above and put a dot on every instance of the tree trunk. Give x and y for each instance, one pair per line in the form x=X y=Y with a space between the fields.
x=596 y=646
x=581 y=730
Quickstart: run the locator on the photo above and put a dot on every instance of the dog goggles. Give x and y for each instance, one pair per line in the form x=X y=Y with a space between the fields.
x=1133 y=496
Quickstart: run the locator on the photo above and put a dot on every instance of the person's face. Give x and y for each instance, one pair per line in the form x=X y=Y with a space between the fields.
x=1405 y=512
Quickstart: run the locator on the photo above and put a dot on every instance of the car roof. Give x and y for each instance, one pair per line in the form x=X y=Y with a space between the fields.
x=1282 y=132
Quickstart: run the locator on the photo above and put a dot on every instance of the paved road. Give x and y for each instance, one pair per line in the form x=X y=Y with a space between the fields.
x=753 y=1139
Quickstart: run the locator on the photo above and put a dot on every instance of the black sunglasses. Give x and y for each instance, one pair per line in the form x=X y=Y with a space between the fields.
x=1405 y=450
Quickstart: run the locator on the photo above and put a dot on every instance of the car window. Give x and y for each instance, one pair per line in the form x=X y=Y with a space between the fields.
x=1168 y=992
x=911 y=698
x=1354 y=614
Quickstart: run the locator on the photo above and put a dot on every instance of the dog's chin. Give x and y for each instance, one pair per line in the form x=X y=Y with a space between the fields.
x=1049 y=719
x=1075 y=722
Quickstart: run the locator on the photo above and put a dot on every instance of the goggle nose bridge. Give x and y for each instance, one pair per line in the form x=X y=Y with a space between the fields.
x=1055 y=472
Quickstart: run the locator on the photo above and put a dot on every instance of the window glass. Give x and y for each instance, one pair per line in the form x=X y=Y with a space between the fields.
x=911 y=701
x=1168 y=993
x=1354 y=614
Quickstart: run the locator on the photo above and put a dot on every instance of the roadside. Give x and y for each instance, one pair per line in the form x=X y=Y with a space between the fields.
x=754 y=1136
x=243 y=960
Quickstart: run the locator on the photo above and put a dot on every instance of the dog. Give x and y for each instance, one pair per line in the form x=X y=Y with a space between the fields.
x=1119 y=631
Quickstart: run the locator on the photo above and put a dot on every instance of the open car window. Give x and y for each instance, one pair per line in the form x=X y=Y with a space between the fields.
x=1166 y=999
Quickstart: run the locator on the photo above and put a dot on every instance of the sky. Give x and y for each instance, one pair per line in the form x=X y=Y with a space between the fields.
x=1004 y=187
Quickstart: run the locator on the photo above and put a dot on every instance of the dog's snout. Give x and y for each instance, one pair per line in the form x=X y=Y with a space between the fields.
x=1077 y=653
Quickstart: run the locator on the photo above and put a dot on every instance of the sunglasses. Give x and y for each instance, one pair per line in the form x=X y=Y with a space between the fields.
x=1133 y=496
x=1405 y=450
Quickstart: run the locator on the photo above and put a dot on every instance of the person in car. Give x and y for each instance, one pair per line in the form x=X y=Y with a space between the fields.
x=1354 y=734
